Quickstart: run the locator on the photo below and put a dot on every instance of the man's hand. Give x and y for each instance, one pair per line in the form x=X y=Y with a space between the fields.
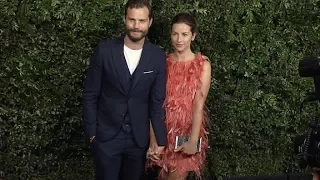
x=91 y=138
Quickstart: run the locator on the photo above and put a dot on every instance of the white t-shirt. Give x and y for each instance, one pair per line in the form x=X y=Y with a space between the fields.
x=132 y=57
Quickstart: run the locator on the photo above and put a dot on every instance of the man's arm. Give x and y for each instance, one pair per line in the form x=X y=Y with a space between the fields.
x=157 y=96
x=91 y=92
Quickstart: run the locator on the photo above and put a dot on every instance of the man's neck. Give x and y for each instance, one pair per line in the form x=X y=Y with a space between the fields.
x=133 y=45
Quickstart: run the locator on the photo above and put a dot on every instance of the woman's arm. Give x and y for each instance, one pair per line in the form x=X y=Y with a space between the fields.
x=200 y=99
x=152 y=135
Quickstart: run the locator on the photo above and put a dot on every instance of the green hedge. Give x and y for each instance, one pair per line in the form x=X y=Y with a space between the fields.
x=254 y=46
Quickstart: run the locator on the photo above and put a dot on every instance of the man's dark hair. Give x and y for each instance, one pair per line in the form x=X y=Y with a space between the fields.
x=138 y=4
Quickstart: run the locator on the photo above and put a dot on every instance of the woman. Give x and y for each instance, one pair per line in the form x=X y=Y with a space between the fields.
x=188 y=83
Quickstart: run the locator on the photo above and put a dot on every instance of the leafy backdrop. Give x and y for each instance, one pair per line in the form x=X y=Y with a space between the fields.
x=254 y=46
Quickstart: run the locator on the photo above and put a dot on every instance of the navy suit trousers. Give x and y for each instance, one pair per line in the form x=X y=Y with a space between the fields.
x=119 y=158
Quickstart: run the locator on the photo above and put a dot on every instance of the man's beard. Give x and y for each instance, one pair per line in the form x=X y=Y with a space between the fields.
x=134 y=38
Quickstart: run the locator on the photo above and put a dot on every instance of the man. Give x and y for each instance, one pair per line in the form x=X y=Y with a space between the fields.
x=124 y=90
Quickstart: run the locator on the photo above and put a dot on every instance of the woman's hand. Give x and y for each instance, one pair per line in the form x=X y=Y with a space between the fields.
x=189 y=147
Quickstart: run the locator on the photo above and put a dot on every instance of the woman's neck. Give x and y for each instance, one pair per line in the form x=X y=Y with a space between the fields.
x=183 y=56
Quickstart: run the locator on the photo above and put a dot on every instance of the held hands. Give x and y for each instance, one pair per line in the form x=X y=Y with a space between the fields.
x=154 y=152
x=189 y=147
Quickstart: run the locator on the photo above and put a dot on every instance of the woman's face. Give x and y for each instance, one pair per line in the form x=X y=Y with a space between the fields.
x=181 y=37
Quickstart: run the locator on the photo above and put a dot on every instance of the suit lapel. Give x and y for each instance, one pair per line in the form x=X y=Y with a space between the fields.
x=120 y=62
x=144 y=61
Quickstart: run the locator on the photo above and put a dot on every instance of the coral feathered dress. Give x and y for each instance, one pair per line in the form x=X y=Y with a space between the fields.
x=183 y=81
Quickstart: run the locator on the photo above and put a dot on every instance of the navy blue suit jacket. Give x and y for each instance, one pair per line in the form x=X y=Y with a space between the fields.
x=106 y=100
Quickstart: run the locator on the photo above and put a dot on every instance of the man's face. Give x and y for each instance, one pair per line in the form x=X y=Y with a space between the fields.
x=137 y=23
